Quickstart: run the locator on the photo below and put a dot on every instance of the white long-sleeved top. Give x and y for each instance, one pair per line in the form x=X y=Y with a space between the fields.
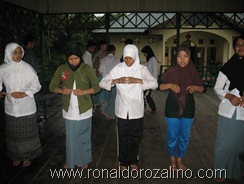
x=124 y=105
x=107 y=63
x=226 y=109
x=152 y=65
x=87 y=57
x=28 y=82
x=73 y=111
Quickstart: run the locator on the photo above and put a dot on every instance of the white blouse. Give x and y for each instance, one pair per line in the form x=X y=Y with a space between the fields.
x=124 y=105
x=152 y=65
x=226 y=109
x=73 y=111
x=28 y=82
x=107 y=63
x=87 y=57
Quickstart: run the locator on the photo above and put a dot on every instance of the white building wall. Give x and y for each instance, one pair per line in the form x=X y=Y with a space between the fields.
x=165 y=38
x=223 y=41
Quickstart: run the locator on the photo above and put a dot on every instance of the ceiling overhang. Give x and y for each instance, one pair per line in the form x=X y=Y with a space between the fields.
x=103 y=6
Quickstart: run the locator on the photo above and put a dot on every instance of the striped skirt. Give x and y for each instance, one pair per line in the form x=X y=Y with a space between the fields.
x=22 y=137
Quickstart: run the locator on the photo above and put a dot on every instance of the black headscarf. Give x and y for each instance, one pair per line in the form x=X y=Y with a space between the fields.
x=147 y=49
x=73 y=49
x=234 y=68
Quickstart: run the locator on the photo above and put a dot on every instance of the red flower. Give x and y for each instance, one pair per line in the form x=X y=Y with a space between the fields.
x=65 y=75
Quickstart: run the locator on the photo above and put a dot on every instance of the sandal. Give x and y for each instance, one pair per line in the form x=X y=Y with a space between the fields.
x=26 y=163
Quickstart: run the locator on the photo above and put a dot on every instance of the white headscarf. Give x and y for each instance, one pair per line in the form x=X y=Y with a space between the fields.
x=133 y=91
x=8 y=57
x=17 y=68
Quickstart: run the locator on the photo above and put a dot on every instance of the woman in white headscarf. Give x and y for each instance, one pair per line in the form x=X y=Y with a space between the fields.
x=131 y=79
x=21 y=83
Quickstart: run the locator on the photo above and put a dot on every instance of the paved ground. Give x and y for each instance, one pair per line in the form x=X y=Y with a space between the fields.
x=154 y=160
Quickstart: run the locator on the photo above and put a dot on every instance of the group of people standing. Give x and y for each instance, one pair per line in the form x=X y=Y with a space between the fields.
x=127 y=88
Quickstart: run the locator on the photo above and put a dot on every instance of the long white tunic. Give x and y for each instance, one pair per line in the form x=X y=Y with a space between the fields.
x=226 y=109
x=18 y=77
x=124 y=104
x=27 y=82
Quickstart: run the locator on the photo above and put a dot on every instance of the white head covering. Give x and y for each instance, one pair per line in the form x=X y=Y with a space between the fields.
x=9 y=63
x=18 y=68
x=9 y=50
x=133 y=91
x=131 y=51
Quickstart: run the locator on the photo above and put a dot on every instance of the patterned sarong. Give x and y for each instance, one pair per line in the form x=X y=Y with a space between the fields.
x=22 y=137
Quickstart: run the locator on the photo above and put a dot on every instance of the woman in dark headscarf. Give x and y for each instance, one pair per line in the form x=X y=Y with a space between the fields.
x=79 y=81
x=182 y=81
x=152 y=65
x=230 y=135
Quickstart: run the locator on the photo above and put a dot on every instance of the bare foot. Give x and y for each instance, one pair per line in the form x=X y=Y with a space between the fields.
x=84 y=167
x=180 y=164
x=172 y=165
x=15 y=162
x=66 y=166
x=26 y=163
x=122 y=167
x=150 y=110
x=219 y=180
x=134 y=167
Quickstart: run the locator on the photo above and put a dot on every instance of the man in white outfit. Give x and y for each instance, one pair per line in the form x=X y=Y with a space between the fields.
x=106 y=65
x=87 y=56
